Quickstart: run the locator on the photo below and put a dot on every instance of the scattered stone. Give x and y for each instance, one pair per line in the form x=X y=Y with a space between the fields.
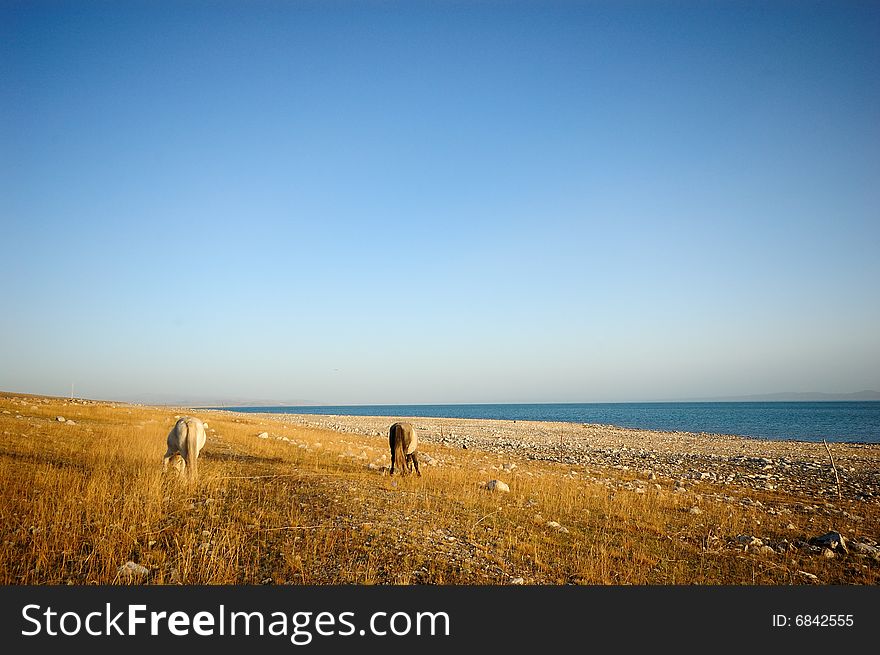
x=695 y=510
x=263 y=435
x=748 y=540
x=60 y=419
x=70 y=422
x=132 y=570
x=828 y=554
x=831 y=540
x=518 y=581
x=765 y=550
x=425 y=458
x=555 y=525
x=508 y=467
x=497 y=485
x=864 y=549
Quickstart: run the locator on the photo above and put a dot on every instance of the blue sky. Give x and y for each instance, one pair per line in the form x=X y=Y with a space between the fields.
x=439 y=202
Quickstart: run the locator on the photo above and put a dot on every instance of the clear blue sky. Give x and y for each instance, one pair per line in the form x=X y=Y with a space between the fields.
x=439 y=202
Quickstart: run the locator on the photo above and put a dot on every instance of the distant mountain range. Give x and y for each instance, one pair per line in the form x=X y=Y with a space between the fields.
x=793 y=396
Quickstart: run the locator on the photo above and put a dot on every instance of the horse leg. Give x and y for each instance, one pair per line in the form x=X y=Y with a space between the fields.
x=415 y=462
x=392 y=462
x=168 y=455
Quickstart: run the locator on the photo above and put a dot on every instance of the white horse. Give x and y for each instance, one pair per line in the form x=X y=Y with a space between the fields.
x=186 y=439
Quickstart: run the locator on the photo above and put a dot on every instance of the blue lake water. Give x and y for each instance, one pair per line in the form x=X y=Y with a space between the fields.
x=857 y=421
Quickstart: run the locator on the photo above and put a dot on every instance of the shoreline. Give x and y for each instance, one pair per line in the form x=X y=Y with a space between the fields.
x=774 y=430
x=797 y=467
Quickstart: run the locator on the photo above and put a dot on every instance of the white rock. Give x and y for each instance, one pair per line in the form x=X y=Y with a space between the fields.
x=497 y=485
x=132 y=569
x=70 y=422
x=518 y=581
x=864 y=549
x=60 y=419
x=695 y=510
x=263 y=435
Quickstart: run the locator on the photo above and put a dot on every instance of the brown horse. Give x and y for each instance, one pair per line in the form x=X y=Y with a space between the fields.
x=403 y=441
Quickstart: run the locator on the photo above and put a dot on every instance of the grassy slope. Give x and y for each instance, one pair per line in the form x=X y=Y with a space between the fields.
x=77 y=501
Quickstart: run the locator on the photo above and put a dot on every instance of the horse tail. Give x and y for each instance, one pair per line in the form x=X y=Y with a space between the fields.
x=192 y=448
x=398 y=456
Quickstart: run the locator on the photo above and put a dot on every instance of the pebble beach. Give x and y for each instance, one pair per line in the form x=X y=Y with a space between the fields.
x=796 y=467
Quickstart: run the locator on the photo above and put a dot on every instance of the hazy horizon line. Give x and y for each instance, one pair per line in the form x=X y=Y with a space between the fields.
x=866 y=395
x=206 y=402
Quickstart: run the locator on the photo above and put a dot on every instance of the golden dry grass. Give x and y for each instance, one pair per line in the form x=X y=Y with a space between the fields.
x=78 y=501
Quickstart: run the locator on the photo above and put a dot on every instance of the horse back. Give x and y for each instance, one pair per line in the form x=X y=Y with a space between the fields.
x=402 y=433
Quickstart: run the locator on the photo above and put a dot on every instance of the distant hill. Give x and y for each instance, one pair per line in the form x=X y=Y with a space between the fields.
x=793 y=396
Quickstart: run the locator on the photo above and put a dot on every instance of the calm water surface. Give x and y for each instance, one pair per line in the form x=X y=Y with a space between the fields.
x=804 y=421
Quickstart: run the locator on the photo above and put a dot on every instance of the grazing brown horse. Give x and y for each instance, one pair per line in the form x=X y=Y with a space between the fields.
x=403 y=441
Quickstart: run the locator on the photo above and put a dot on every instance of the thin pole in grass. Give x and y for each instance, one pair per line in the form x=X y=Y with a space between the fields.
x=833 y=468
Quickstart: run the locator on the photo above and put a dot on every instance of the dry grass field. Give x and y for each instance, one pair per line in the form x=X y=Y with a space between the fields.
x=82 y=497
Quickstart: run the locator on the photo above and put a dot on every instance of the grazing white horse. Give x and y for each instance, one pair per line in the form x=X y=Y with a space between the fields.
x=186 y=439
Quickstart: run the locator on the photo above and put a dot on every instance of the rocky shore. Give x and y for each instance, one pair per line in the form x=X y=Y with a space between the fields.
x=799 y=468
